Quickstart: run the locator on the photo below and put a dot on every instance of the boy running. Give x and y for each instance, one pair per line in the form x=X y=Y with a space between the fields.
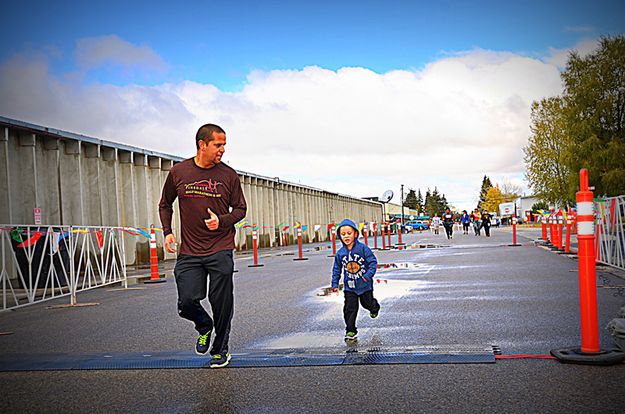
x=357 y=264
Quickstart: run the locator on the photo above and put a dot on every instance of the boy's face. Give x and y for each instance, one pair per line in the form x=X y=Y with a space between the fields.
x=347 y=234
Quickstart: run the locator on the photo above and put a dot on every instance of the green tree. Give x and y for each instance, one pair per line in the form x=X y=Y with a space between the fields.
x=594 y=96
x=547 y=152
x=411 y=200
x=420 y=203
x=541 y=205
x=486 y=184
x=435 y=202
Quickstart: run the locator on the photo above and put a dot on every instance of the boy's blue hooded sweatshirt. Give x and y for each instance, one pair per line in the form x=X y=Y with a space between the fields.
x=357 y=266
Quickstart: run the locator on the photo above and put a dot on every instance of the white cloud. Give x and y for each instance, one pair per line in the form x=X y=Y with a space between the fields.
x=558 y=57
x=352 y=131
x=93 y=52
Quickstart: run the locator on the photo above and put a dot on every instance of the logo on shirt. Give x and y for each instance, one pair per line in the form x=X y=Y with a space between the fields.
x=202 y=188
x=353 y=265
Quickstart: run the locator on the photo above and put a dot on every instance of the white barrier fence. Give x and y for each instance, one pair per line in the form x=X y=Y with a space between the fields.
x=610 y=231
x=39 y=263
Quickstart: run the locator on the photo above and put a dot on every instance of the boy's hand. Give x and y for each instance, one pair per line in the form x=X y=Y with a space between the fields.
x=335 y=290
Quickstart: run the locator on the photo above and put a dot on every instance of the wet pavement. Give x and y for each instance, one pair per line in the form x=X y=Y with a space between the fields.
x=470 y=291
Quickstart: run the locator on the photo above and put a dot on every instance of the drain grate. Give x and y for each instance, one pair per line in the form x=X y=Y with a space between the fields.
x=447 y=354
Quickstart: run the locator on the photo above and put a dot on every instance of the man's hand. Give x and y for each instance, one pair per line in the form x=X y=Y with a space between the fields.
x=213 y=221
x=170 y=243
x=335 y=290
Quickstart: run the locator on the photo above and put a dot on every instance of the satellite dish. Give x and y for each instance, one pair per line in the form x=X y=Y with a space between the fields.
x=387 y=196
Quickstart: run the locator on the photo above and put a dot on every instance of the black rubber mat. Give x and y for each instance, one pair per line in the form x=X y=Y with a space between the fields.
x=254 y=358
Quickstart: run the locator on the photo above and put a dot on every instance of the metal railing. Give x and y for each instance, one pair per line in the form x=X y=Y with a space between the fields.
x=40 y=263
x=610 y=231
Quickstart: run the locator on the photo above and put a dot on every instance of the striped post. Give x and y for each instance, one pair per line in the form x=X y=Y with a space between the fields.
x=255 y=245
x=299 y=245
x=155 y=277
x=587 y=269
x=375 y=235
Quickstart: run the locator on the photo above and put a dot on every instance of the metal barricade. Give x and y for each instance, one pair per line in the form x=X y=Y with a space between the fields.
x=39 y=263
x=610 y=231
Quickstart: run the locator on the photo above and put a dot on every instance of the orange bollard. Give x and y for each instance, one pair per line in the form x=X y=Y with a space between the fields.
x=400 y=244
x=388 y=233
x=560 y=230
x=382 y=230
x=514 y=223
x=552 y=238
x=543 y=221
x=375 y=235
x=299 y=245
x=567 y=246
x=155 y=277
x=589 y=353
x=255 y=245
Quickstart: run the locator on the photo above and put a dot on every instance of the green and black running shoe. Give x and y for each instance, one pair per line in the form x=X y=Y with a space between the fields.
x=220 y=360
x=350 y=336
x=203 y=343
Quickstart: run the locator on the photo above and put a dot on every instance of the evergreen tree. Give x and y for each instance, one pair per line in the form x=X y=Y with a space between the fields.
x=420 y=203
x=486 y=184
x=411 y=200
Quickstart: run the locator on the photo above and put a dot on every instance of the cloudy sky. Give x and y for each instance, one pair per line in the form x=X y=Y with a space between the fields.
x=355 y=97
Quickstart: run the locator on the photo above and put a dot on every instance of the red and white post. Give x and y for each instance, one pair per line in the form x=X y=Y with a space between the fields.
x=589 y=352
x=299 y=245
x=514 y=223
x=543 y=222
x=569 y=224
x=400 y=244
x=365 y=232
x=383 y=236
x=155 y=277
x=375 y=235
x=255 y=246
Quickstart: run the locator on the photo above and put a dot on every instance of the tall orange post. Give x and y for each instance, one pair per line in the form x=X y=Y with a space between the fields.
x=255 y=246
x=155 y=277
x=567 y=245
x=543 y=220
x=514 y=223
x=400 y=244
x=375 y=235
x=388 y=232
x=383 y=236
x=299 y=245
x=589 y=352
x=560 y=230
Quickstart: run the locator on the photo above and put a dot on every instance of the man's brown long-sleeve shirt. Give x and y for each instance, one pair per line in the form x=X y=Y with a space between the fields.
x=197 y=189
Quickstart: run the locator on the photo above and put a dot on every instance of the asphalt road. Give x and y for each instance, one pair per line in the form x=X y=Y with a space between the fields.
x=472 y=291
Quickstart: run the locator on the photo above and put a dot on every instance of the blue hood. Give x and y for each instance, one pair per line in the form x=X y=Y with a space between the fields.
x=347 y=222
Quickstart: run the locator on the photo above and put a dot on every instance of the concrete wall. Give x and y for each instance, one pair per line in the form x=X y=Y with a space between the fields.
x=84 y=181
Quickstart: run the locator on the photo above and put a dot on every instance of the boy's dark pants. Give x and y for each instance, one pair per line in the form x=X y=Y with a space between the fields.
x=191 y=279
x=350 y=309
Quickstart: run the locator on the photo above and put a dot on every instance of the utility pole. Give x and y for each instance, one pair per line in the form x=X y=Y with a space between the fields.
x=402 y=206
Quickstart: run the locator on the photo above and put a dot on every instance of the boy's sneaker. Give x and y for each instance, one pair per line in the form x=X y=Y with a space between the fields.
x=350 y=336
x=203 y=343
x=374 y=314
x=220 y=360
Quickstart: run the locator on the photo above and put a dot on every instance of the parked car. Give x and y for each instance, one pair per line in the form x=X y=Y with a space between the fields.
x=416 y=225
x=495 y=221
